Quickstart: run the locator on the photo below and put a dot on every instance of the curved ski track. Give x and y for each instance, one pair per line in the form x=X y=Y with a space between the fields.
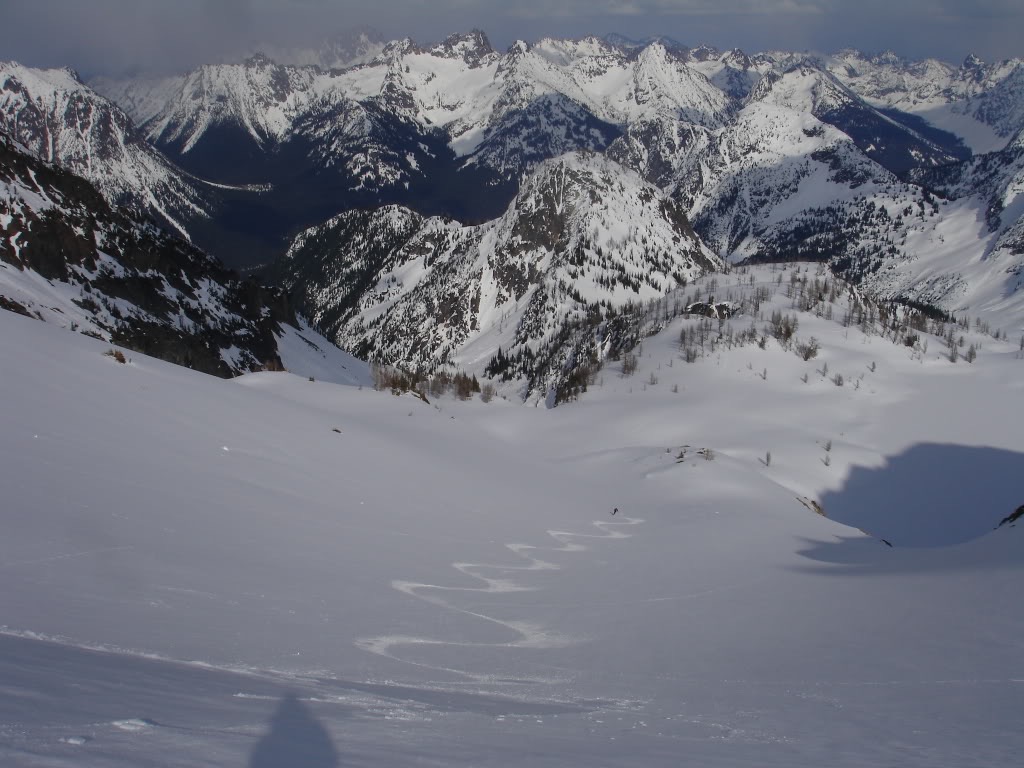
x=527 y=634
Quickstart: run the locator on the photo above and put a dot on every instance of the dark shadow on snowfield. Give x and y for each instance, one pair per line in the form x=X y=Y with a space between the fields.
x=296 y=738
x=928 y=497
x=931 y=495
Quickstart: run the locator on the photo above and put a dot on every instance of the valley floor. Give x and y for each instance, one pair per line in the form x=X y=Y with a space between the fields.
x=283 y=571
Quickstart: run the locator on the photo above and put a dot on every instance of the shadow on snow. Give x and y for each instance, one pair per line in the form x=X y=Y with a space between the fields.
x=930 y=496
x=296 y=738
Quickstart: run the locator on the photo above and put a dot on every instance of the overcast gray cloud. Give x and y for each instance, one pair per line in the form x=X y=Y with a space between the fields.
x=117 y=36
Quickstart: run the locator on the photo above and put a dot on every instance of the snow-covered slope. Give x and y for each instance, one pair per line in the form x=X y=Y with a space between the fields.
x=62 y=121
x=294 y=573
x=583 y=239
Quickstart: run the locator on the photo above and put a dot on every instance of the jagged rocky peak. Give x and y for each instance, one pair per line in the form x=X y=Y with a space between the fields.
x=396 y=49
x=518 y=48
x=736 y=59
x=628 y=43
x=473 y=47
x=657 y=48
x=705 y=53
x=764 y=87
x=259 y=60
x=888 y=57
x=563 y=53
x=973 y=66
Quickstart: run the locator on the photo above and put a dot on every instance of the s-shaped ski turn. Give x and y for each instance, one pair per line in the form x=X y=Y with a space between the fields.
x=523 y=634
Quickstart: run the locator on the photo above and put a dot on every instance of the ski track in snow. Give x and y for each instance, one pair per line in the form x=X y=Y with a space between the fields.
x=68 y=556
x=529 y=635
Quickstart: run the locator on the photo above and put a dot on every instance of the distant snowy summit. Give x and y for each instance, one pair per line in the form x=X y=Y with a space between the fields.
x=903 y=176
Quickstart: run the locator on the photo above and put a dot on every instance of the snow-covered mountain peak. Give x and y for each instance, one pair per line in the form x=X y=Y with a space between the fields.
x=255 y=96
x=62 y=121
x=889 y=57
x=662 y=82
x=628 y=44
x=656 y=50
x=396 y=49
x=564 y=53
x=40 y=82
x=472 y=47
x=259 y=59
x=572 y=184
x=973 y=65
x=764 y=87
x=803 y=88
x=736 y=59
x=997 y=100
x=705 y=52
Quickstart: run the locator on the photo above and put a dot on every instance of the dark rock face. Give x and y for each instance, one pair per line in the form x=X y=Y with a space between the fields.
x=124 y=279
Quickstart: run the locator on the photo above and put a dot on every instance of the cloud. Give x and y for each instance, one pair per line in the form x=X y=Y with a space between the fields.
x=130 y=35
x=734 y=9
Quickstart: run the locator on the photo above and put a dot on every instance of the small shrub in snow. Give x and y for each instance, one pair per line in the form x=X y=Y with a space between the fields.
x=117 y=354
x=783 y=327
x=487 y=392
x=629 y=364
x=838 y=379
x=807 y=349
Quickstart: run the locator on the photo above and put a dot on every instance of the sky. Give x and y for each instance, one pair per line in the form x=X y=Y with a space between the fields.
x=136 y=36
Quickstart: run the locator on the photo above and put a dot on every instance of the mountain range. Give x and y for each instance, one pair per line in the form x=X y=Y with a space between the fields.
x=375 y=178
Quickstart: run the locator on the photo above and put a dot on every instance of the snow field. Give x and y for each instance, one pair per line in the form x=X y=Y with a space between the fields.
x=446 y=582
